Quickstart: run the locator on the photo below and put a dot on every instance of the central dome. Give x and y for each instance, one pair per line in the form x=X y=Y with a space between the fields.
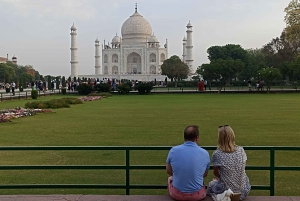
x=136 y=29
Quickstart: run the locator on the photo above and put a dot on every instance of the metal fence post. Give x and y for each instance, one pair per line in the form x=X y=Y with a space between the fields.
x=127 y=172
x=272 y=172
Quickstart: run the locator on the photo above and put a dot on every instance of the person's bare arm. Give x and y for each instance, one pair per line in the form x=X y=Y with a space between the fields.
x=169 y=169
x=216 y=171
x=205 y=173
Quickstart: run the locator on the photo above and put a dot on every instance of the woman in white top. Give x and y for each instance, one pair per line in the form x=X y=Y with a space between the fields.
x=229 y=166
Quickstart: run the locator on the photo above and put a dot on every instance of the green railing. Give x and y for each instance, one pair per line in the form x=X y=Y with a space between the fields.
x=127 y=167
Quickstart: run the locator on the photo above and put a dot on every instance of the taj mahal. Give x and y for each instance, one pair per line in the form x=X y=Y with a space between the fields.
x=137 y=55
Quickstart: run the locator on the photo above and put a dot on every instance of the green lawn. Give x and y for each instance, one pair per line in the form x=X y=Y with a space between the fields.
x=151 y=120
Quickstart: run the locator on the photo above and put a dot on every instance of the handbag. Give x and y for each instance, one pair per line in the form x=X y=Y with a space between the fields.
x=237 y=196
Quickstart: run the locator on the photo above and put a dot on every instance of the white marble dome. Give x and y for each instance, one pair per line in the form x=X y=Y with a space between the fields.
x=116 y=40
x=153 y=39
x=136 y=28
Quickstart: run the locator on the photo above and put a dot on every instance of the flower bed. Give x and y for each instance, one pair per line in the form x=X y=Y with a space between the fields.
x=8 y=114
x=90 y=98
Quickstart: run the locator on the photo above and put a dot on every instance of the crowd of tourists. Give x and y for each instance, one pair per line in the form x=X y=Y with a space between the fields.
x=10 y=87
x=188 y=165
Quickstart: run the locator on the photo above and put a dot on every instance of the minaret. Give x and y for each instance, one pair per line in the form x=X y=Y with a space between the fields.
x=189 y=48
x=97 y=57
x=74 y=62
x=184 y=49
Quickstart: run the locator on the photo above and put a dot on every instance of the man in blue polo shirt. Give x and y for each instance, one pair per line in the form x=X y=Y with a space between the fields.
x=187 y=165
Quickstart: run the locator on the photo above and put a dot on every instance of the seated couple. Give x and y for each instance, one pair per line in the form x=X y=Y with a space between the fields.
x=188 y=165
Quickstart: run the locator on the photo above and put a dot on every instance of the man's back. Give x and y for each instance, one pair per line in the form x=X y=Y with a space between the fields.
x=189 y=163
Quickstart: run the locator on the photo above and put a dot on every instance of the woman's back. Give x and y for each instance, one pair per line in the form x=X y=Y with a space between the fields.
x=231 y=167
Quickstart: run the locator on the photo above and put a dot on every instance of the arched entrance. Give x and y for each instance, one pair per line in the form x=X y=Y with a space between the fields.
x=114 y=70
x=134 y=63
x=105 y=70
x=152 y=70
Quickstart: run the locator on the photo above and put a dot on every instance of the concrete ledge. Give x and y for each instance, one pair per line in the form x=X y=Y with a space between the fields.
x=125 y=198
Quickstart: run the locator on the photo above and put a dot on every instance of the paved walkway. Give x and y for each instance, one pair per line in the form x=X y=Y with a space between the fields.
x=125 y=198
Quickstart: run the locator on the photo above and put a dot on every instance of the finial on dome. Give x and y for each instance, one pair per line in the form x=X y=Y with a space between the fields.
x=136 y=7
x=73 y=28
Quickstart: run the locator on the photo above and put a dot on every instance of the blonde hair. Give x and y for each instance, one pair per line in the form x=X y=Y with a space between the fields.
x=226 y=139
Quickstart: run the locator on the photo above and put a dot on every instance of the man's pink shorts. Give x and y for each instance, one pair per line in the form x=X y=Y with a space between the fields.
x=177 y=195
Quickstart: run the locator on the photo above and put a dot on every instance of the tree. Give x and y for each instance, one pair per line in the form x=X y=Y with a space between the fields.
x=268 y=75
x=279 y=53
x=27 y=77
x=292 y=19
x=255 y=61
x=293 y=70
x=279 y=50
x=175 y=69
x=228 y=51
x=7 y=78
x=227 y=69
x=49 y=82
x=57 y=82
x=6 y=70
x=226 y=61
x=208 y=72
x=42 y=78
x=63 y=81
x=221 y=69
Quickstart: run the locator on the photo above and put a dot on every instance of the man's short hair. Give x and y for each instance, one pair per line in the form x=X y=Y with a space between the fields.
x=191 y=133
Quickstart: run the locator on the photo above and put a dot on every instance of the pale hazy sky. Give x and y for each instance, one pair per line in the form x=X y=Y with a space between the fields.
x=38 y=31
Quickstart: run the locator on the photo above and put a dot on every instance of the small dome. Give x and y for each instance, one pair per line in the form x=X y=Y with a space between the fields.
x=14 y=57
x=97 y=41
x=189 y=24
x=73 y=28
x=153 y=39
x=136 y=27
x=116 y=40
x=184 y=38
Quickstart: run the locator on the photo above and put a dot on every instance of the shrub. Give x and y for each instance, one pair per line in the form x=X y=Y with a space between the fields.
x=71 y=100
x=102 y=87
x=53 y=103
x=144 y=87
x=34 y=94
x=35 y=104
x=64 y=91
x=123 y=88
x=84 y=89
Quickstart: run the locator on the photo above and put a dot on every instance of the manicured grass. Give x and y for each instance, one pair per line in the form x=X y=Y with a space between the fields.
x=150 y=120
